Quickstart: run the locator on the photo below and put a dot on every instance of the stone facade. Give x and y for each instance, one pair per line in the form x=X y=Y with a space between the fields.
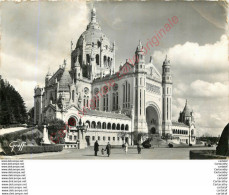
x=136 y=98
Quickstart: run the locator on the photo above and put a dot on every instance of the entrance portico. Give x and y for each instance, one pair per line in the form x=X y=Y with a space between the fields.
x=153 y=118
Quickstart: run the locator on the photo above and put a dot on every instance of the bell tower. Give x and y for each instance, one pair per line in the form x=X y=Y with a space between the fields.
x=167 y=97
x=140 y=90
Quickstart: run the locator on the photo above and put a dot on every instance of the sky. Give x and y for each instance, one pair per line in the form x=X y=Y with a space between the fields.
x=36 y=37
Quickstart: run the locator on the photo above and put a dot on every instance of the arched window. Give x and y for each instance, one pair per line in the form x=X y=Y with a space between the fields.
x=99 y=44
x=93 y=125
x=116 y=108
x=87 y=101
x=108 y=61
x=97 y=104
x=104 y=125
x=114 y=97
x=73 y=95
x=108 y=126
x=104 y=103
x=107 y=102
x=113 y=126
x=127 y=127
x=88 y=123
x=118 y=126
x=72 y=122
x=126 y=95
x=97 y=59
x=88 y=59
x=122 y=127
x=99 y=125
x=105 y=60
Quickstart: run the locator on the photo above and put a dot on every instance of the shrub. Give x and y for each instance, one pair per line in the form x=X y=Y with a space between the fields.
x=146 y=143
x=170 y=145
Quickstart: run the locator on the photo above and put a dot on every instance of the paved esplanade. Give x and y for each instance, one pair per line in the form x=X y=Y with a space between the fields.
x=116 y=153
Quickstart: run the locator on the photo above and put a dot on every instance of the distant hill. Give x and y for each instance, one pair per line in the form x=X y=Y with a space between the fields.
x=12 y=106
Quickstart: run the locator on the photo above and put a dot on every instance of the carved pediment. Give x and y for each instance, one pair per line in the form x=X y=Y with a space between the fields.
x=154 y=73
x=71 y=107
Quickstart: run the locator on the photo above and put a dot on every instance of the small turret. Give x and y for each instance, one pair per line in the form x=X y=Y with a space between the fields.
x=166 y=71
x=139 y=58
x=48 y=77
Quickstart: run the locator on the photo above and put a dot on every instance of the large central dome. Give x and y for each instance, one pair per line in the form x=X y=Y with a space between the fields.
x=94 y=52
x=93 y=34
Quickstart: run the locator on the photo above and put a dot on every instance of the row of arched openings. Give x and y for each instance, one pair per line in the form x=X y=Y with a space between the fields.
x=108 y=126
x=177 y=131
x=107 y=61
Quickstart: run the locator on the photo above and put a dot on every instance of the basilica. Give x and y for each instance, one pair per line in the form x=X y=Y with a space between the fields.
x=111 y=103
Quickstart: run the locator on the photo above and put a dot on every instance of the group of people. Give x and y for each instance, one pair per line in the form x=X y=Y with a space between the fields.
x=108 y=148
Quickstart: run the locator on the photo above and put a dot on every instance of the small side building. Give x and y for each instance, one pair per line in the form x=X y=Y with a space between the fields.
x=183 y=131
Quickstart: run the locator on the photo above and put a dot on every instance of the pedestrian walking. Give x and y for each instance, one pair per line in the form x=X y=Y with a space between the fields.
x=126 y=147
x=139 y=148
x=102 y=151
x=108 y=149
x=96 y=147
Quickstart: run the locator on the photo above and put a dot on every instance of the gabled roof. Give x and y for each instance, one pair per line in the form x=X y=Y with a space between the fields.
x=174 y=123
x=50 y=106
x=65 y=81
x=186 y=110
x=71 y=106
x=63 y=77
x=152 y=71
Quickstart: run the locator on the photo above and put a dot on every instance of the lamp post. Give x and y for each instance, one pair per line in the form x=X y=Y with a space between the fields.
x=82 y=129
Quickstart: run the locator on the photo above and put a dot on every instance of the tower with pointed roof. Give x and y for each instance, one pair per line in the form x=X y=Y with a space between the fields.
x=186 y=116
x=140 y=90
x=166 y=97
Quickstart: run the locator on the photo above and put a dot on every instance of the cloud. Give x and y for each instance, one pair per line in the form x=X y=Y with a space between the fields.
x=206 y=89
x=208 y=58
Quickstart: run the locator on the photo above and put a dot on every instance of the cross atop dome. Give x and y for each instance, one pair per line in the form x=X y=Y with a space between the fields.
x=139 y=48
x=93 y=15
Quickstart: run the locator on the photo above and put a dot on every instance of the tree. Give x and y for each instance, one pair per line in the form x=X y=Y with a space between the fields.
x=57 y=130
x=12 y=106
x=31 y=116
